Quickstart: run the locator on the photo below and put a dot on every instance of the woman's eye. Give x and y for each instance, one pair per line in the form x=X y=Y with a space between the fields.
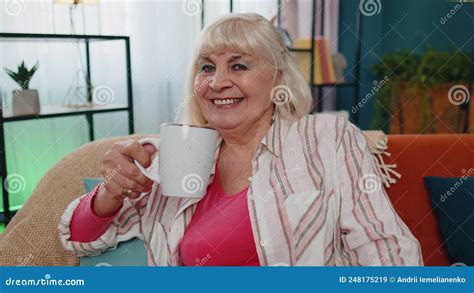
x=206 y=68
x=239 y=67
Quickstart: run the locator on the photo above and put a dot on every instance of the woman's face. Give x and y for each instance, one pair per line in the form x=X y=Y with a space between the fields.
x=233 y=89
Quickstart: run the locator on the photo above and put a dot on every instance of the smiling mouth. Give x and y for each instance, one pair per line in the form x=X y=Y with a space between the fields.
x=230 y=101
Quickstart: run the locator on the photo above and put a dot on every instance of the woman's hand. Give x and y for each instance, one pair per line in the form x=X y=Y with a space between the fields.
x=120 y=173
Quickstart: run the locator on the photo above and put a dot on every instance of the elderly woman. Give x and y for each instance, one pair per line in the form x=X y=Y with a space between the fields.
x=286 y=189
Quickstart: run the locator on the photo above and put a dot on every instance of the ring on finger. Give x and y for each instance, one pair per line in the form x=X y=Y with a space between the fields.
x=126 y=192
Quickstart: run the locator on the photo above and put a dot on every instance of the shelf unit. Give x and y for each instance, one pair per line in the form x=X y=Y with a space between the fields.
x=48 y=112
x=317 y=89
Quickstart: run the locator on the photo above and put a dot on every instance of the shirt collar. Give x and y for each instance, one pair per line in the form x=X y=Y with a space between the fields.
x=272 y=140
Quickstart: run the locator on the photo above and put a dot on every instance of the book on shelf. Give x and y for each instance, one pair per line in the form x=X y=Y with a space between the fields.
x=323 y=64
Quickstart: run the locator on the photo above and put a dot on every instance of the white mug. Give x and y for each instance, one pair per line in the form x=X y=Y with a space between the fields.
x=185 y=160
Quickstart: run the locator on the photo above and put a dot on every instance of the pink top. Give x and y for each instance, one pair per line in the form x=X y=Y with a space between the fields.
x=220 y=233
x=230 y=243
x=86 y=226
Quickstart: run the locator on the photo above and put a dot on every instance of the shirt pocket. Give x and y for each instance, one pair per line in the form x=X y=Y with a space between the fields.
x=298 y=205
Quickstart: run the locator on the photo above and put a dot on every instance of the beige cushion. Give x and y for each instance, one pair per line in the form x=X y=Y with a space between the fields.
x=32 y=237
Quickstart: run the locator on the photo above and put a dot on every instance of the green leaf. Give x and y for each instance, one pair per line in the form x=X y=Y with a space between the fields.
x=418 y=71
x=23 y=76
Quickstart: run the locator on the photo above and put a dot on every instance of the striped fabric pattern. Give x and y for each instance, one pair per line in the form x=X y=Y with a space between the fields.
x=314 y=200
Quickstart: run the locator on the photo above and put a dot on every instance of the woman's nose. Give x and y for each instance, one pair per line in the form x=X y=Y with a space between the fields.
x=220 y=81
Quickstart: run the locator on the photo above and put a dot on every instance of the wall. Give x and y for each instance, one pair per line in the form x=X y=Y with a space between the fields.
x=400 y=24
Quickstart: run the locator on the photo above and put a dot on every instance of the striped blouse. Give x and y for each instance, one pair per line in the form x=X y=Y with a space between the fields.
x=314 y=200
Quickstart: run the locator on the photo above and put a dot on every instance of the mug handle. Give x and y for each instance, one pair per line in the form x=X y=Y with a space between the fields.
x=155 y=162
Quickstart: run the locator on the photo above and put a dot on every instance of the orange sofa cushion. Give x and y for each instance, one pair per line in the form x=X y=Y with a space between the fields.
x=417 y=156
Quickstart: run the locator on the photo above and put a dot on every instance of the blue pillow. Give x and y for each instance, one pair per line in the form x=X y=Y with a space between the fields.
x=453 y=201
x=91 y=183
x=128 y=253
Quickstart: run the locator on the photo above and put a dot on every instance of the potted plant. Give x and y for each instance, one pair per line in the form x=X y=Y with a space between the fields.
x=400 y=68
x=25 y=100
x=416 y=98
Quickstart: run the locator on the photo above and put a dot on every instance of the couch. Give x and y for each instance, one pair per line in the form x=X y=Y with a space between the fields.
x=417 y=156
x=31 y=238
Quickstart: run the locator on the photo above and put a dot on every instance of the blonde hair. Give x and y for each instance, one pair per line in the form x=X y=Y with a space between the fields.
x=251 y=33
